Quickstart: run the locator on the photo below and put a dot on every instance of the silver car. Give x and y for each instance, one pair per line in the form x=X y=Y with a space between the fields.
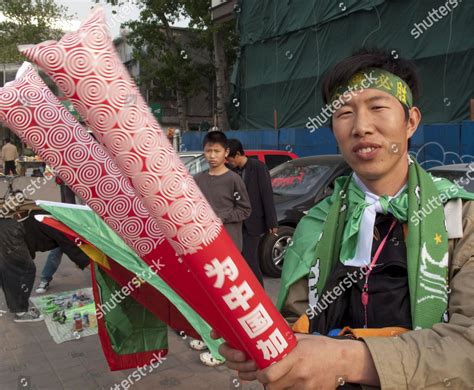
x=462 y=174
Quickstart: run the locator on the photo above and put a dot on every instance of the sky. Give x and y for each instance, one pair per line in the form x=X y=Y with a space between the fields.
x=81 y=9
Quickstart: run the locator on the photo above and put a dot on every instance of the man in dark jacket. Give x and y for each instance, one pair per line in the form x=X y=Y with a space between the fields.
x=19 y=242
x=259 y=187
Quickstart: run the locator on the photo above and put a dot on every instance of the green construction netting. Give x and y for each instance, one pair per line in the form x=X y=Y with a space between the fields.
x=287 y=45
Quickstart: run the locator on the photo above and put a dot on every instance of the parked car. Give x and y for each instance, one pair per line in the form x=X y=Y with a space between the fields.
x=197 y=164
x=463 y=174
x=271 y=158
x=189 y=155
x=297 y=186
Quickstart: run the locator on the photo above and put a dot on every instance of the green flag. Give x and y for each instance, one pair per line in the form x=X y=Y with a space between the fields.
x=88 y=225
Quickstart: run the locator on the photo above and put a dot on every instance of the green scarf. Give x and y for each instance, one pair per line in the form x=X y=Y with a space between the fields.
x=335 y=223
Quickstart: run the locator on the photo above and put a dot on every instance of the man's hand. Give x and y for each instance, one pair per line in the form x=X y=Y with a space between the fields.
x=317 y=362
x=237 y=360
x=273 y=231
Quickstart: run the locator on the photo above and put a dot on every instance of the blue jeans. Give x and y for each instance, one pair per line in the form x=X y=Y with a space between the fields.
x=52 y=264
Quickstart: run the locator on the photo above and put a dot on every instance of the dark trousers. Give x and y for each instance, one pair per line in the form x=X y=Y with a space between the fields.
x=250 y=253
x=67 y=195
x=17 y=269
x=10 y=167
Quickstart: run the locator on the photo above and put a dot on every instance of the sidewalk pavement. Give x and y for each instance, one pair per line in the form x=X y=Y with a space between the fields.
x=31 y=360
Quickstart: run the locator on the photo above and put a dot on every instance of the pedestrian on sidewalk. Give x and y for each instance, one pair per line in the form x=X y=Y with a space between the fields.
x=225 y=191
x=17 y=271
x=9 y=156
x=263 y=218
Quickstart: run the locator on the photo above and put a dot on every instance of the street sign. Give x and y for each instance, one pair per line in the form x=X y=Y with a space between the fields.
x=157 y=111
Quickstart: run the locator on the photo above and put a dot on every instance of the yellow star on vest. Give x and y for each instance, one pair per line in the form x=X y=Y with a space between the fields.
x=438 y=239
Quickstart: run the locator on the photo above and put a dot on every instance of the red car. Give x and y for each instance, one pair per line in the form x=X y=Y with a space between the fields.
x=271 y=158
x=283 y=182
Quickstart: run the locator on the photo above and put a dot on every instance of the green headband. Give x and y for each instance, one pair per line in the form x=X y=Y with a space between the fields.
x=376 y=78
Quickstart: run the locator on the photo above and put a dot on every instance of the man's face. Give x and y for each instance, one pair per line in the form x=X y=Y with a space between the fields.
x=372 y=133
x=215 y=154
x=235 y=161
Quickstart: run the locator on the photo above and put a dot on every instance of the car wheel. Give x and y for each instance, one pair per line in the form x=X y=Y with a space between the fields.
x=273 y=249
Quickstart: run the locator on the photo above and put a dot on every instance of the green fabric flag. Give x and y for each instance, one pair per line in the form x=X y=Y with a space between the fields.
x=132 y=328
x=329 y=234
x=91 y=227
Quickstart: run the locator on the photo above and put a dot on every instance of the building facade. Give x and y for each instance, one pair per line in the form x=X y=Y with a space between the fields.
x=200 y=107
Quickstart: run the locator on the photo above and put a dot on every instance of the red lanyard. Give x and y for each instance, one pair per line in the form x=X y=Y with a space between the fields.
x=365 y=290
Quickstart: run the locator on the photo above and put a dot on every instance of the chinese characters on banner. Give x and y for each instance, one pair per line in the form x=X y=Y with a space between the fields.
x=256 y=321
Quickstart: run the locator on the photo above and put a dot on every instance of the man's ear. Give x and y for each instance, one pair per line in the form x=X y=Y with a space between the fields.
x=413 y=122
x=227 y=152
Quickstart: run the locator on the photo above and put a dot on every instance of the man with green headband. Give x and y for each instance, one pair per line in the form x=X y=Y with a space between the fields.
x=380 y=275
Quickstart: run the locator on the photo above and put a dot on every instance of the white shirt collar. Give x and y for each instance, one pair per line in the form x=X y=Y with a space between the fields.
x=367 y=192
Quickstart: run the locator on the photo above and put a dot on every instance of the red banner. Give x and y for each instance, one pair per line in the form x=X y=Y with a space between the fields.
x=87 y=69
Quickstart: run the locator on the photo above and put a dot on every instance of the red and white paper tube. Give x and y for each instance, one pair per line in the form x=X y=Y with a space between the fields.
x=87 y=69
x=31 y=111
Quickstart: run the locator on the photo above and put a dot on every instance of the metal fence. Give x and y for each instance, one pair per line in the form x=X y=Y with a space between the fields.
x=432 y=145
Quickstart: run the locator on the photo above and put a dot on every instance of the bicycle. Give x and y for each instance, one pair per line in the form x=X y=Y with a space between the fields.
x=11 y=195
x=10 y=191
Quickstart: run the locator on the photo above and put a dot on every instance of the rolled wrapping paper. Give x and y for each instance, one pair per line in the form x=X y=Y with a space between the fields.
x=87 y=69
x=31 y=110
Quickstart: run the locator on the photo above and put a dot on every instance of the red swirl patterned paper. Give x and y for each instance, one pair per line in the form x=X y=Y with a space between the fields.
x=112 y=105
x=83 y=164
